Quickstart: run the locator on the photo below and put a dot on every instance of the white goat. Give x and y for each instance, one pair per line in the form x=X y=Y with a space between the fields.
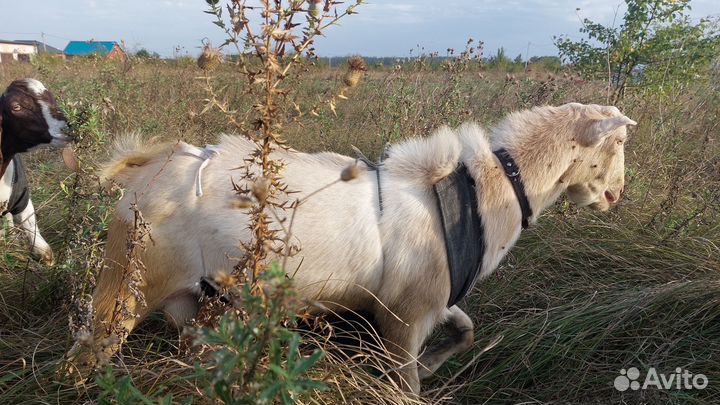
x=392 y=263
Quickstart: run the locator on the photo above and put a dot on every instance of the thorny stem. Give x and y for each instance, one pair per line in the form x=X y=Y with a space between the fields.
x=131 y=273
x=267 y=46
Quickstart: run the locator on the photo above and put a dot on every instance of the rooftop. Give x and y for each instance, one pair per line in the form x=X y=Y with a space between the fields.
x=84 y=48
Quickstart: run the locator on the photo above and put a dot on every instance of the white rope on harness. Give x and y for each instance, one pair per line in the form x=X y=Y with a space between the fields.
x=373 y=166
x=204 y=154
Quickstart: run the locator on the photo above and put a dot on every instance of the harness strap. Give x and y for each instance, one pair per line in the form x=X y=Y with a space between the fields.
x=462 y=230
x=373 y=166
x=512 y=171
x=204 y=154
x=20 y=193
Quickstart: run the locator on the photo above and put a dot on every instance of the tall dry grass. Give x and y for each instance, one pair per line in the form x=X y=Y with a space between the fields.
x=581 y=296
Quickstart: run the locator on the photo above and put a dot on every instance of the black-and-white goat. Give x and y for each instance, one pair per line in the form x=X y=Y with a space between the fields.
x=29 y=118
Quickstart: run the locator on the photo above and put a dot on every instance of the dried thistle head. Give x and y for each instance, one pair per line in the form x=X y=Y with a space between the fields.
x=356 y=71
x=356 y=62
x=210 y=58
x=352 y=78
x=84 y=337
x=70 y=159
x=241 y=202
x=315 y=7
x=261 y=189
x=225 y=280
x=350 y=172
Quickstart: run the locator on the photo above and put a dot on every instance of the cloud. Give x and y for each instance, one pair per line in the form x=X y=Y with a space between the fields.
x=390 y=13
x=382 y=27
x=176 y=3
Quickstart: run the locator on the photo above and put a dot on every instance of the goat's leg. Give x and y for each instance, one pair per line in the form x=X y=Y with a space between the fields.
x=460 y=340
x=27 y=223
x=181 y=309
x=403 y=343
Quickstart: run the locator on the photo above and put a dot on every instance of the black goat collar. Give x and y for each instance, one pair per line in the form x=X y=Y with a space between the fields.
x=512 y=171
x=462 y=229
x=20 y=193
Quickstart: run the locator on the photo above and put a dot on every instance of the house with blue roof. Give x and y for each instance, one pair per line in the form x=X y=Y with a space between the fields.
x=104 y=49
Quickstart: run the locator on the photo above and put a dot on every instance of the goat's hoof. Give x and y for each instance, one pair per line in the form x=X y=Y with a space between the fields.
x=47 y=258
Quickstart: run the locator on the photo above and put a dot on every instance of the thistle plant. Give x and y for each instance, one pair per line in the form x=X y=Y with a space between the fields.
x=269 y=58
x=253 y=356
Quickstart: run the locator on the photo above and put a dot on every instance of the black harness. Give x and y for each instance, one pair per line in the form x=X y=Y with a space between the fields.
x=20 y=194
x=512 y=171
x=462 y=226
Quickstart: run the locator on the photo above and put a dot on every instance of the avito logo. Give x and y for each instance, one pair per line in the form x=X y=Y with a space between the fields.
x=679 y=380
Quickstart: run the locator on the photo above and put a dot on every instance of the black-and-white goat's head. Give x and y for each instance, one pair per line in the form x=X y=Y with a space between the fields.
x=29 y=118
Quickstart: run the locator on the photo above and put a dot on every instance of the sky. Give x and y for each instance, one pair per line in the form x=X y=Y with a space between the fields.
x=382 y=27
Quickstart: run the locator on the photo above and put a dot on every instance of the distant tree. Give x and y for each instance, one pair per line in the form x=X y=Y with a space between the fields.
x=656 y=44
x=546 y=63
x=145 y=54
x=500 y=61
x=142 y=54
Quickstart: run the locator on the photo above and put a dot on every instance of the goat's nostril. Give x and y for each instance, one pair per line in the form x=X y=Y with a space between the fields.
x=609 y=196
x=622 y=191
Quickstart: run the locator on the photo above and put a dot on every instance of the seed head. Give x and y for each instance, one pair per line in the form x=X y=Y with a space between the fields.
x=241 y=202
x=356 y=71
x=70 y=159
x=84 y=338
x=224 y=279
x=350 y=172
x=261 y=189
x=315 y=7
x=356 y=62
x=352 y=78
x=210 y=58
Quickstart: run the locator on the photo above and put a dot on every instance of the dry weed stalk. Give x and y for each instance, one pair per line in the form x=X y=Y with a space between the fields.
x=267 y=59
x=132 y=279
x=88 y=211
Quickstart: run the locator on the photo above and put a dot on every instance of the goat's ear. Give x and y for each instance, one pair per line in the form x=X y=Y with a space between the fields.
x=601 y=129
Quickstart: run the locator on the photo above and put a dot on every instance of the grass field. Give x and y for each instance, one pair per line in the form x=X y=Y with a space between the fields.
x=582 y=295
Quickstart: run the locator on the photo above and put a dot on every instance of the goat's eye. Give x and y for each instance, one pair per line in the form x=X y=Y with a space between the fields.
x=620 y=142
x=16 y=107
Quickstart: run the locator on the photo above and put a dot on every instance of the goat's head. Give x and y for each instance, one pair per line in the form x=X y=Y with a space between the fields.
x=30 y=118
x=597 y=178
